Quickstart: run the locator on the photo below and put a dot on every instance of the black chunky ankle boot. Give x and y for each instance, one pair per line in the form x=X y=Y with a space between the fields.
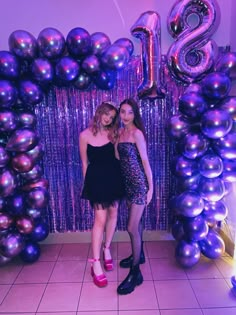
x=133 y=279
x=127 y=262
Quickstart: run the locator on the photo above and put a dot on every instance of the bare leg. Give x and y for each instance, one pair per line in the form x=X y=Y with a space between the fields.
x=110 y=229
x=100 y=218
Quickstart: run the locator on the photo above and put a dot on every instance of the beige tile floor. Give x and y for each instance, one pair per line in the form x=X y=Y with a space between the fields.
x=60 y=283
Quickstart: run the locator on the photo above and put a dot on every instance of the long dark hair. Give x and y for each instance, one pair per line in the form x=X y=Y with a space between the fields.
x=138 y=122
x=95 y=123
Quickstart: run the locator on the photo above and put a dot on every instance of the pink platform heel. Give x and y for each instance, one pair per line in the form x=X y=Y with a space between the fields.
x=108 y=263
x=98 y=280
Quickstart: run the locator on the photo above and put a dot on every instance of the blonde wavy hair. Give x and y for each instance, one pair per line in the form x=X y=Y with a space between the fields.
x=95 y=124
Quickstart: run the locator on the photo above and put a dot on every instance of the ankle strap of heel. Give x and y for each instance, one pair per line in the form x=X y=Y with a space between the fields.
x=92 y=260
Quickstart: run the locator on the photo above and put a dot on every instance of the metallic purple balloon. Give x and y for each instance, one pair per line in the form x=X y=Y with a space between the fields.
x=194 y=87
x=194 y=52
x=187 y=253
x=99 y=43
x=34 y=174
x=67 y=69
x=78 y=42
x=30 y=92
x=42 y=70
x=31 y=252
x=211 y=189
x=216 y=86
x=229 y=105
x=23 y=44
x=210 y=166
x=8 y=182
x=11 y=245
x=37 y=198
x=229 y=170
x=51 y=43
x=9 y=66
x=127 y=43
x=105 y=79
x=216 y=123
x=227 y=64
x=25 y=225
x=8 y=121
x=185 y=167
x=40 y=231
x=177 y=230
x=26 y=119
x=83 y=81
x=8 y=93
x=36 y=153
x=215 y=211
x=4 y=260
x=91 y=64
x=22 y=163
x=40 y=183
x=148 y=29
x=188 y=183
x=192 y=104
x=115 y=57
x=5 y=221
x=226 y=146
x=213 y=245
x=16 y=204
x=178 y=126
x=189 y=204
x=22 y=140
x=4 y=156
x=194 y=145
x=34 y=213
x=195 y=228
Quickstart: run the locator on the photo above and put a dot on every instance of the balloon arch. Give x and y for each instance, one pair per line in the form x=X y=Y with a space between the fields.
x=203 y=129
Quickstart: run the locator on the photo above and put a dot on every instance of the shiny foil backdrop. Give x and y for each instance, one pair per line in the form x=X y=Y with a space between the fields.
x=65 y=112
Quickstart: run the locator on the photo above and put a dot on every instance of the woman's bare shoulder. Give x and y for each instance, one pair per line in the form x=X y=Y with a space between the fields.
x=85 y=134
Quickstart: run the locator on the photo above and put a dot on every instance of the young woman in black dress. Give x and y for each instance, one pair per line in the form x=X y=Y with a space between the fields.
x=137 y=176
x=102 y=184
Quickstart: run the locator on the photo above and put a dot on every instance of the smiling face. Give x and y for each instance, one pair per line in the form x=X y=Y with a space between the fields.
x=126 y=114
x=107 y=118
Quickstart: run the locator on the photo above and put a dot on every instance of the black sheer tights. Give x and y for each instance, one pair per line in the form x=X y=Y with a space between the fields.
x=135 y=230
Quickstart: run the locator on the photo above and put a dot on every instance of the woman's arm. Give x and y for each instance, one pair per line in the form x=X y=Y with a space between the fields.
x=142 y=148
x=83 y=151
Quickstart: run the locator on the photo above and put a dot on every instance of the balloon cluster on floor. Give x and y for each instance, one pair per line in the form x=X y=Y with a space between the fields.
x=204 y=133
x=27 y=71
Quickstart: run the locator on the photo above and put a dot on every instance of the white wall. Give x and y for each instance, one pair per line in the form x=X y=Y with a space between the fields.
x=113 y=17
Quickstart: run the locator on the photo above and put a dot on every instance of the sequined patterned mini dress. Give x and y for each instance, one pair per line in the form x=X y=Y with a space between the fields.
x=135 y=180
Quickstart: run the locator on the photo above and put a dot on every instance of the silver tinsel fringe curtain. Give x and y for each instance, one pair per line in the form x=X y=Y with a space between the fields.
x=65 y=112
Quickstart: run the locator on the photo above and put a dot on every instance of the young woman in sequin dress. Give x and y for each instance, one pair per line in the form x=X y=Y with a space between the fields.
x=137 y=176
x=103 y=185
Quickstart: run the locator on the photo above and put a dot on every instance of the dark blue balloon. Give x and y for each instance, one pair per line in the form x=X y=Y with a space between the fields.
x=9 y=66
x=105 y=80
x=40 y=231
x=31 y=252
x=216 y=85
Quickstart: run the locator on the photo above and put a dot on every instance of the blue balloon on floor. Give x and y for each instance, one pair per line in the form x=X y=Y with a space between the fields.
x=31 y=252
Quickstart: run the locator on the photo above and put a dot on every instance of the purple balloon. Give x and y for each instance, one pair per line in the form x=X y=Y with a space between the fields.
x=5 y=221
x=35 y=173
x=210 y=166
x=227 y=64
x=30 y=92
x=34 y=213
x=192 y=104
x=40 y=231
x=185 y=167
x=67 y=69
x=83 y=81
x=8 y=93
x=40 y=183
x=79 y=42
x=91 y=64
x=9 y=66
x=15 y=204
x=194 y=87
x=51 y=43
x=4 y=260
x=213 y=245
x=31 y=252
x=211 y=189
x=115 y=57
x=216 y=123
x=188 y=183
x=36 y=153
x=216 y=86
x=187 y=253
x=24 y=224
x=8 y=182
x=8 y=121
x=37 y=198
x=4 y=156
x=22 y=163
x=178 y=126
x=11 y=245
x=105 y=80
x=23 y=44
x=22 y=140
x=215 y=211
x=127 y=43
x=99 y=43
x=26 y=119
x=42 y=70
x=189 y=204
x=229 y=105
x=194 y=145
x=177 y=230
x=195 y=228
x=229 y=171
x=226 y=146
